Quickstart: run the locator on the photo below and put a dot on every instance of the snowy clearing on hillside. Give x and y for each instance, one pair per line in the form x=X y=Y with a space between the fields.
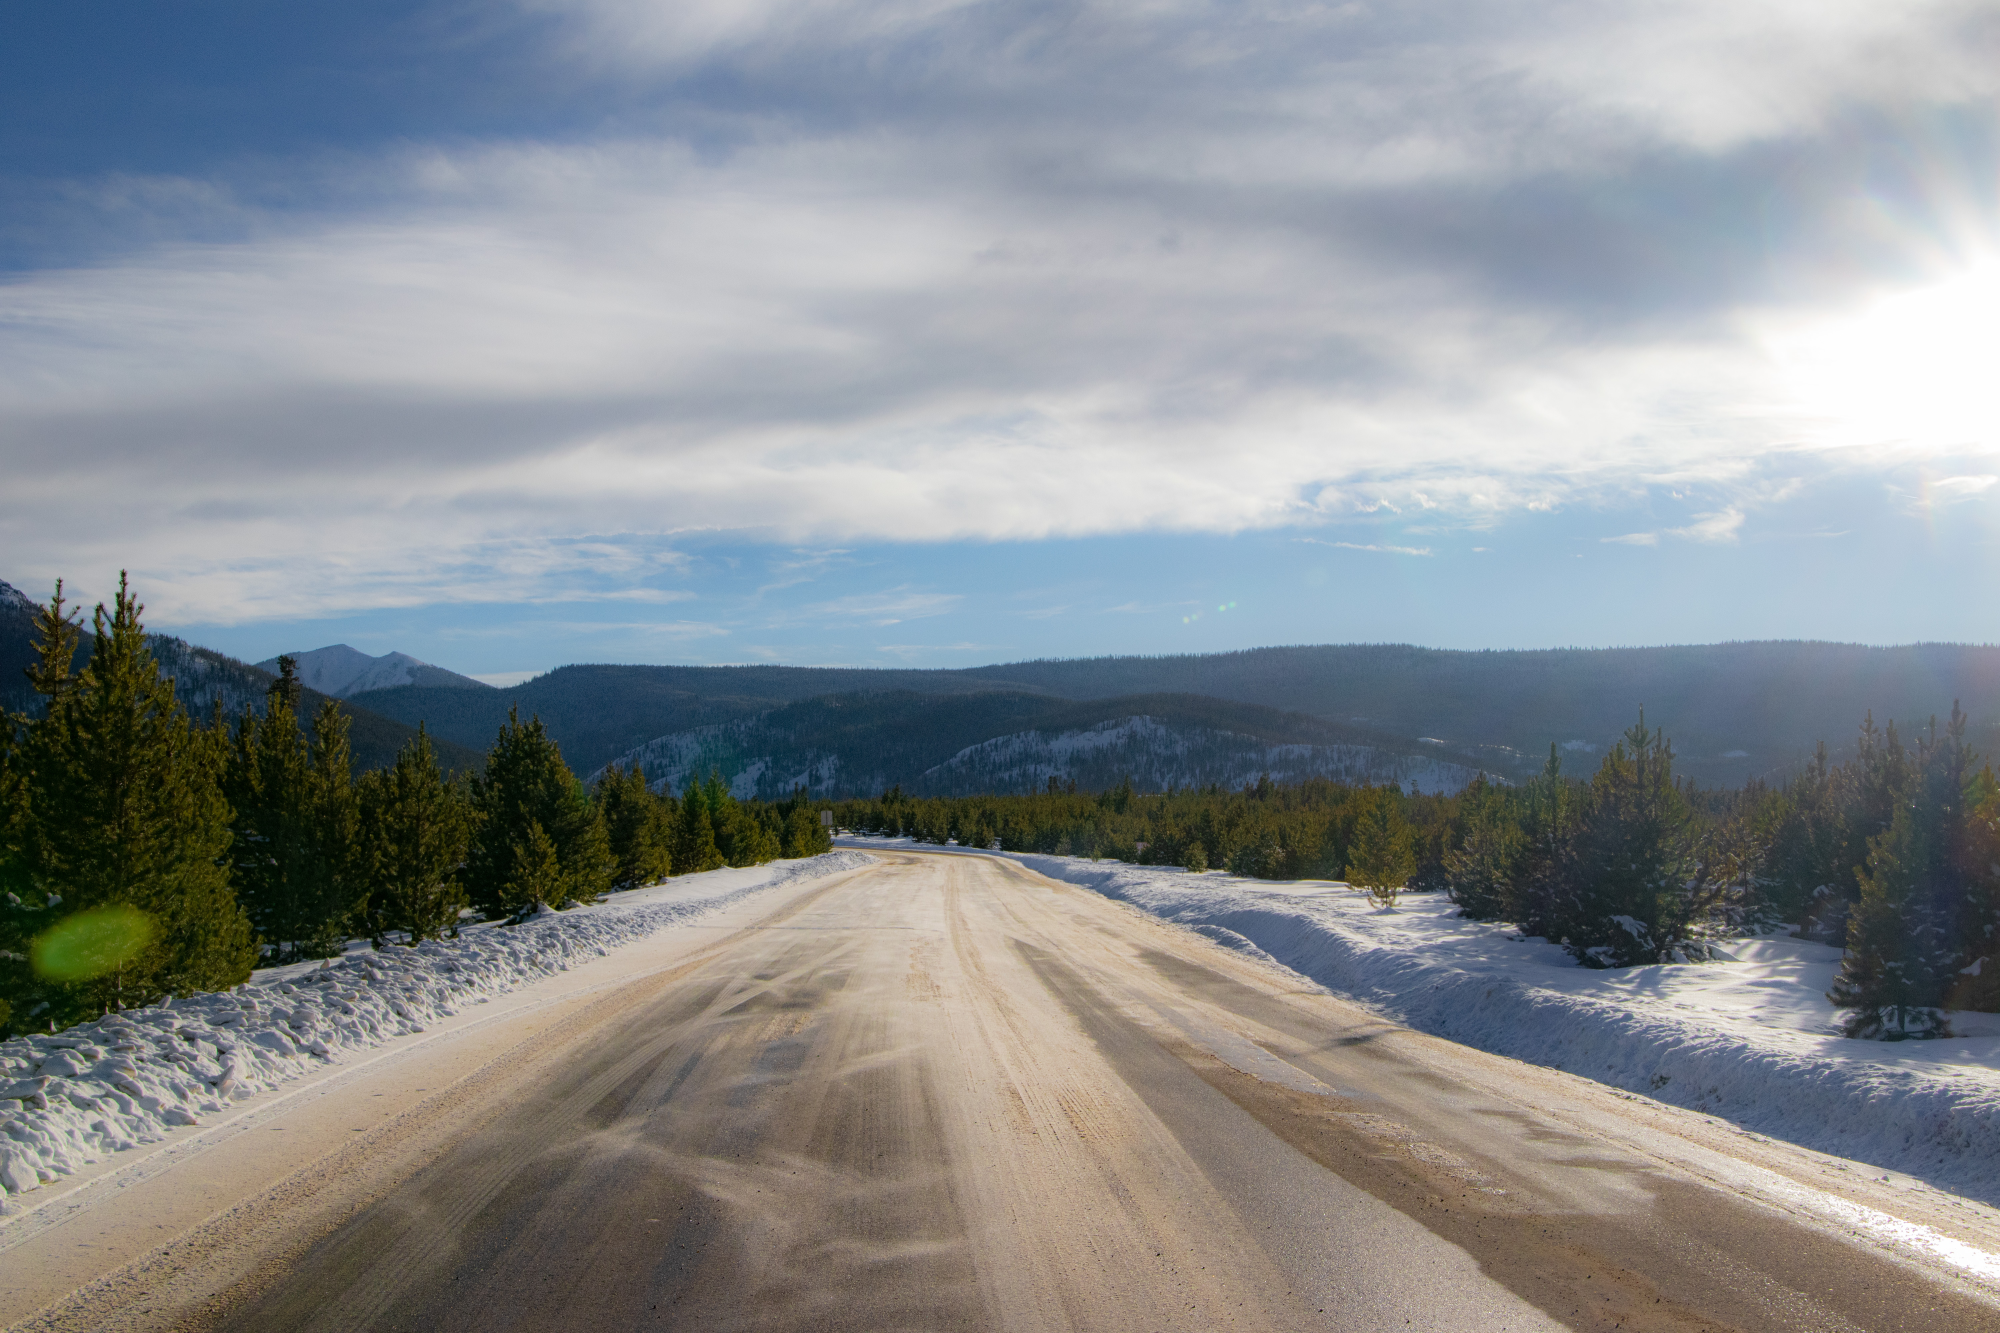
x=72 y=1097
x=1752 y=1040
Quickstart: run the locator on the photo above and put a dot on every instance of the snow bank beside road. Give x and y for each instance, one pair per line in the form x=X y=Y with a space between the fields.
x=73 y=1097
x=1753 y=1041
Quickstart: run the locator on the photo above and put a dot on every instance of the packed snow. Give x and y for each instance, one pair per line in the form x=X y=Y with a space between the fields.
x=1751 y=1039
x=70 y=1098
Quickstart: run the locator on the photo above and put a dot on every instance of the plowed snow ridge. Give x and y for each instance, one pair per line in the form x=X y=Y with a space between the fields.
x=71 y=1098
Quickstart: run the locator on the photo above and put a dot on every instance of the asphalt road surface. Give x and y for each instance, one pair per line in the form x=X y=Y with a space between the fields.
x=946 y=1093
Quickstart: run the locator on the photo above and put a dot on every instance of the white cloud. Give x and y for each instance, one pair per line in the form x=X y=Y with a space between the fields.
x=1718 y=527
x=1378 y=547
x=1634 y=539
x=891 y=607
x=506 y=679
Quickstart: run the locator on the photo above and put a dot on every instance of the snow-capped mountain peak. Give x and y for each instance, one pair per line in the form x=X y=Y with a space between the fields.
x=11 y=596
x=344 y=672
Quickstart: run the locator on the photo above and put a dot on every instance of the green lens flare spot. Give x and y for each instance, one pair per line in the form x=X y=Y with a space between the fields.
x=91 y=944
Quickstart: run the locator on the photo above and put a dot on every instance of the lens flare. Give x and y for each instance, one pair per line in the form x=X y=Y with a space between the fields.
x=91 y=944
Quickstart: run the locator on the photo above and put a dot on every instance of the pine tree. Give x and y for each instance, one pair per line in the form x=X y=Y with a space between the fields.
x=1976 y=983
x=1379 y=859
x=1480 y=872
x=125 y=810
x=1543 y=892
x=739 y=838
x=1905 y=936
x=1636 y=891
x=1810 y=860
x=694 y=847
x=638 y=826
x=806 y=836
x=535 y=876
x=527 y=783
x=416 y=827
x=297 y=823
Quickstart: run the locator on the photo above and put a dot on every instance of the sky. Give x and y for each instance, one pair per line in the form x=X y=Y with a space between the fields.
x=926 y=333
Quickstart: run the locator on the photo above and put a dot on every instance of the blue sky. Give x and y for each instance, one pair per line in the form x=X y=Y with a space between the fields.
x=923 y=332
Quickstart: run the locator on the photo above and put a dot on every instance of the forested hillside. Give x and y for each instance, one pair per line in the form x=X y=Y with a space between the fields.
x=1739 y=710
x=596 y=712
x=1003 y=741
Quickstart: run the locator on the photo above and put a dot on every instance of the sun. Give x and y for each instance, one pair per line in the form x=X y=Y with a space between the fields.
x=1920 y=369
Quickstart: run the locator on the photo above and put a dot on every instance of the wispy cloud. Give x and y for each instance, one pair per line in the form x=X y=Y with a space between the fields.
x=1963 y=487
x=1717 y=527
x=1378 y=547
x=891 y=607
x=1634 y=539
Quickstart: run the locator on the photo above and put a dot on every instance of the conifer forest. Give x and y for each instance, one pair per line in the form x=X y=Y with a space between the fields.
x=146 y=851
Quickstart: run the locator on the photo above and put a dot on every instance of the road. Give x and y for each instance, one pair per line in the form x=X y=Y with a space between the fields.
x=946 y=1093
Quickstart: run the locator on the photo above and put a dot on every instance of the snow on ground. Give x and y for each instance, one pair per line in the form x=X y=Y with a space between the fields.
x=1753 y=1040
x=70 y=1098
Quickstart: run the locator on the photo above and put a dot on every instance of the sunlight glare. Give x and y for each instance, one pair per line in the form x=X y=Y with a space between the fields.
x=1919 y=369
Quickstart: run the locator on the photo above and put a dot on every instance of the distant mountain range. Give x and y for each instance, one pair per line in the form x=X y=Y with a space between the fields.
x=344 y=672
x=1377 y=712
x=1734 y=710
x=205 y=679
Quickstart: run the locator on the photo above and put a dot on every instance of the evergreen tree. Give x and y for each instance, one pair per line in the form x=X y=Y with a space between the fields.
x=535 y=877
x=416 y=828
x=124 y=811
x=740 y=838
x=1811 y=859
x=1479 y=873
x=1635 y=885
x=803 y=834
x=296 y=860
x=1542 y=894
x=25 y=910
x=1379 y=860
x=694 y=848
x=1976 y=983
x=527 y=783
x=1905 y=937
x=638 y=825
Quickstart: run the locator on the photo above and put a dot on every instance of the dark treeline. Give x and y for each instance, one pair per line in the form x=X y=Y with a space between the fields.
x=1308 y=830
x=145 y=853
x=1894 y=853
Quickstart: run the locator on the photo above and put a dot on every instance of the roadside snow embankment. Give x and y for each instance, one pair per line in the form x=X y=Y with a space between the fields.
x=73 y=1097
x=1753 y=1040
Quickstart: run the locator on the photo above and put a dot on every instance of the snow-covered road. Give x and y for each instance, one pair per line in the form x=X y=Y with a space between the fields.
x=945 y=1091
x=76 y=1098
x=1752 y=1040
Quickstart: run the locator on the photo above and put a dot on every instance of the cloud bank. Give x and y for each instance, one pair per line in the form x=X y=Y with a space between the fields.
x=826 y=272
